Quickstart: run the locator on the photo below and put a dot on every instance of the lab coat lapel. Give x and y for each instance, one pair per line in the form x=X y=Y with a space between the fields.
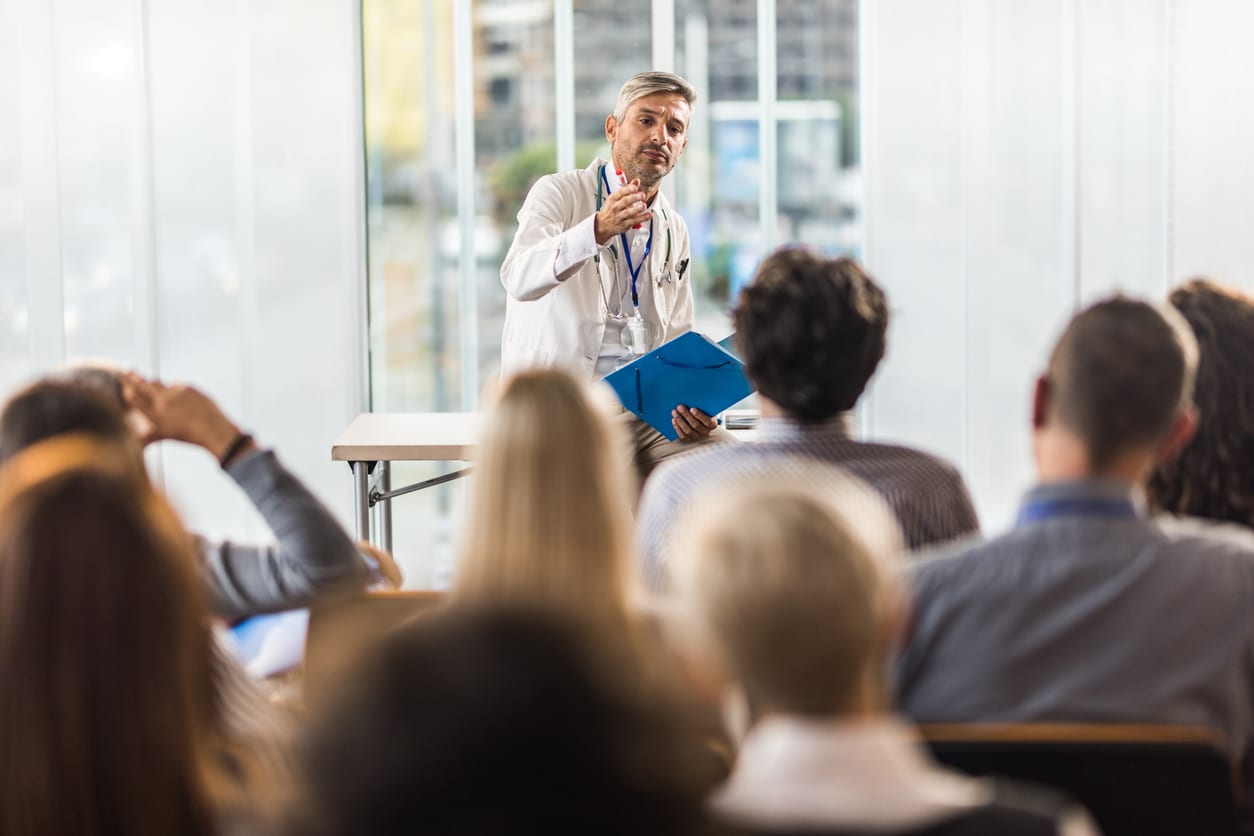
x=661 y=294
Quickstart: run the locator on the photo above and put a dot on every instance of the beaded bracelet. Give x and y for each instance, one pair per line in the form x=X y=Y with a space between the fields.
x=232 y=451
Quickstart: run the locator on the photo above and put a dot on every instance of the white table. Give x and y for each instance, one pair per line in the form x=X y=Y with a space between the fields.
x=376 y=439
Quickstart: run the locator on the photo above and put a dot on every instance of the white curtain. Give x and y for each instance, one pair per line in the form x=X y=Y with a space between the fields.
x=181 y=192
x=1026 y=158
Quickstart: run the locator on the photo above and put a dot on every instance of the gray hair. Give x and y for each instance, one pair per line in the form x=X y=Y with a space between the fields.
x=647 y=84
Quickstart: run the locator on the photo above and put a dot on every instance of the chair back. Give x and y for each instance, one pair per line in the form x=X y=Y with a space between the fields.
x=342 y=629
x=1134 y=779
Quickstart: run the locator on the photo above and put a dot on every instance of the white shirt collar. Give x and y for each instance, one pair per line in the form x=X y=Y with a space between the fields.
x=872 y=773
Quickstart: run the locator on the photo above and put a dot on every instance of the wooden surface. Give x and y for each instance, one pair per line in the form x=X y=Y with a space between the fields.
x=1069 y=733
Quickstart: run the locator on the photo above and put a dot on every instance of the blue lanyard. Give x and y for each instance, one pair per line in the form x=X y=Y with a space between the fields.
x=1047 y=509
x=634 y=271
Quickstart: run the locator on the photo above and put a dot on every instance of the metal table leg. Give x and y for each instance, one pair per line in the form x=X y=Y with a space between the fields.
x=385 y=506
x=361 y=499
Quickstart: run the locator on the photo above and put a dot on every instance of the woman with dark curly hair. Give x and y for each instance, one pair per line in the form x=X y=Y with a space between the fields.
x=1212 y=477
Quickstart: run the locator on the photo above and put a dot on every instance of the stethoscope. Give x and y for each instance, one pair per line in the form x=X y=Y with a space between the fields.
x=603 y=187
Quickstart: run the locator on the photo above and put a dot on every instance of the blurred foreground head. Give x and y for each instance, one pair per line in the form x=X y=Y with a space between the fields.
x=548 y=522
x=497 y=723
x=1212 y=476
x=52 y=407
x=792 y=592
x=105 y=707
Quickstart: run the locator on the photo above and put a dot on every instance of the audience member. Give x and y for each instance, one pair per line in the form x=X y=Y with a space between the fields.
x=548 y=520
x=1087 y=610
x=548 y=526
x=1212 y=477
x=795 y=599
x=497 y=723
x=312 y=554
x=107 y=705
x=811 y=331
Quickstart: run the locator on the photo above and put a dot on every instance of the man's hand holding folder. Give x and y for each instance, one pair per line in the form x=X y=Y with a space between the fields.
x=692 y=424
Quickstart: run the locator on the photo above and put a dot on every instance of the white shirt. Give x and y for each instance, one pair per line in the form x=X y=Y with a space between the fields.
x=616 y=280
x=855 y=774
x=557 y=278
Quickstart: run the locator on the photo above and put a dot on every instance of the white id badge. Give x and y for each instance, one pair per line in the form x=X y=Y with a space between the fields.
x=635 y=337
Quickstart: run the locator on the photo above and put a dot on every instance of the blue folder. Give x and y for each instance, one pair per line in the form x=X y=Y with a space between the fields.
x=691 y=369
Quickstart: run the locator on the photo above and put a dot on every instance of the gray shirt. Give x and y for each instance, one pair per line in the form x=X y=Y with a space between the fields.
x=927 y=495
x=312 y=552
x=1087 y=611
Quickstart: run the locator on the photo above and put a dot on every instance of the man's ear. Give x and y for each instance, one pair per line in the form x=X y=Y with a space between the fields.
x=1041 y=397
x=611 y=128
x=1179 y=436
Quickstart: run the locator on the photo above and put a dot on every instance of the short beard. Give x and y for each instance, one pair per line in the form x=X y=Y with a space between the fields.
x=648 y=179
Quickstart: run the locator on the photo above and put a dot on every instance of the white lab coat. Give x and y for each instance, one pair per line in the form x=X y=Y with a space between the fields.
x=559 y=320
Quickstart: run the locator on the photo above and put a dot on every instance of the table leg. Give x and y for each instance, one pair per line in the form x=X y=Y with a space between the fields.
x=361 y=499
x=385 y=507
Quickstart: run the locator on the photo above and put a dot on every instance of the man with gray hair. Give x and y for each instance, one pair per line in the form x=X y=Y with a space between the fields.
x=598 y=270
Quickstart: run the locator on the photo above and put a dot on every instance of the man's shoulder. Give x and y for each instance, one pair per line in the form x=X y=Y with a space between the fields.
x=903 y=457
x=971 y=556
x=1174 y=546
x=719 y=463
x=565 y=181
x=857 y=457
x=697 y=465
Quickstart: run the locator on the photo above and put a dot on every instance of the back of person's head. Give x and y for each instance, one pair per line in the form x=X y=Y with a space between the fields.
x=99 y=375
x=791 y=592
x=811 y=330
x=52 y=407
x=1211 y=477
x=548 y=520
x=496 y=722
x=1120 y=377
x=105 y=701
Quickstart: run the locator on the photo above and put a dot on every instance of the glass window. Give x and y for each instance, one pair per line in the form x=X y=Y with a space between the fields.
x=613 y=41
x=416 y=210
x=716 y=45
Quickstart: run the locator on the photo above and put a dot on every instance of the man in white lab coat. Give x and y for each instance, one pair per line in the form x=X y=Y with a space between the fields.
x=598 y=270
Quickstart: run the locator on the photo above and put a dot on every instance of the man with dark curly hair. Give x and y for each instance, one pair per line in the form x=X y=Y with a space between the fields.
x=811 y=331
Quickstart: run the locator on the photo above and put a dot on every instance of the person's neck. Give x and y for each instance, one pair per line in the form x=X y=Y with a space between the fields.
x=867 y=704
x=767 y=408
x=1062 y=457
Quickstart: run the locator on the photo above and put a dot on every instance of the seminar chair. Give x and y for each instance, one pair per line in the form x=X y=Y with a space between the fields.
x=343 y=628
x=1136 y=780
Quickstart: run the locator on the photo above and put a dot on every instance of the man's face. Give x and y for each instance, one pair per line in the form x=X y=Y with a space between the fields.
x=647 y=143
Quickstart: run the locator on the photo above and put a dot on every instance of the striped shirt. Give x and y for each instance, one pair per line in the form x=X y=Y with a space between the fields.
x=927 y=495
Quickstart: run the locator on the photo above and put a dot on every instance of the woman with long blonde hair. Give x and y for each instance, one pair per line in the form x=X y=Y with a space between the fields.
x=549 y=517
